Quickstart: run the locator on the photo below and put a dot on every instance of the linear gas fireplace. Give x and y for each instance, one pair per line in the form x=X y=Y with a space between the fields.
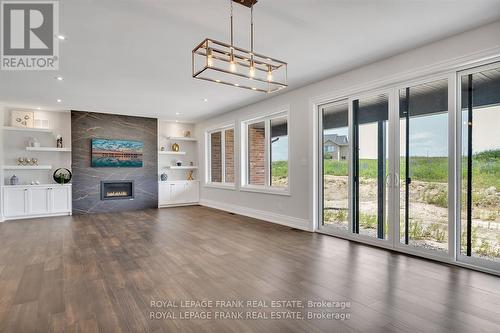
x=117 y=189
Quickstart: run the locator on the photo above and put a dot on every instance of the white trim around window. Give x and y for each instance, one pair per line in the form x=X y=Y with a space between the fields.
x=265 y=122
x=223 y=183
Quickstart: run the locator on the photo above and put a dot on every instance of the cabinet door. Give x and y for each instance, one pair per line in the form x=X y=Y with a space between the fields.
x=176 y=193
x=164 y=193
x=38 y=200
x=60 y=199
x=191 y=192
x=15 y=201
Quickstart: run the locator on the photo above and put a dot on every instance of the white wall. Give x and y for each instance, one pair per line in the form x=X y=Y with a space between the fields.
x=297 y=209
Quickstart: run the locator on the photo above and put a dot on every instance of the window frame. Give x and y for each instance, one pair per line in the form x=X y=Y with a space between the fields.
x=282 y=112
x=208 y=154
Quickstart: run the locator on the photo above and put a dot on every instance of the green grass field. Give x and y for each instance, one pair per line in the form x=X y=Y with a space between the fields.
x=486 y=169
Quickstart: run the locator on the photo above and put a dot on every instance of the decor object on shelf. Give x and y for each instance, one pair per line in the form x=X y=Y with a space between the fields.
x=162 y=148
x=117 y=153
x=179 y=163
x=33 y=142
x=190 y=175
x=62 y=176
x=59 y=142
x=175 y=147
x=14 y=180
x=164 y=177
x=187 y=134
x=219 y=62
x=35 y=182
x=191 y=163
x=21 y=118
x=24 y=161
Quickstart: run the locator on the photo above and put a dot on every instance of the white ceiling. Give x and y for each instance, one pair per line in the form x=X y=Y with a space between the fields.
x=134 y=57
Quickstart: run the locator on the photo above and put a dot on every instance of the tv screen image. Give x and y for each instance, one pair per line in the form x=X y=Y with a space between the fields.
x=117 y=153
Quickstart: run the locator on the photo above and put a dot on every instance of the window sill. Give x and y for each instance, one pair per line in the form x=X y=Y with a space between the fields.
x=266 y=189
x=222 y=186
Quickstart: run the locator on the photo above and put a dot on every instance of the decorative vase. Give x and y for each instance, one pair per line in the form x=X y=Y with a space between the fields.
x=179 y=163
x=14 y=180
x=59 y=141
x=164 y=177
x=62 y=176
x=175 y=147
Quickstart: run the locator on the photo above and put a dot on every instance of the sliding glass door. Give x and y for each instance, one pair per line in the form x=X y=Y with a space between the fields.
x=423 y=165
x=335 y=156
x=370 y=165
x=479 y=166
x=416 y=167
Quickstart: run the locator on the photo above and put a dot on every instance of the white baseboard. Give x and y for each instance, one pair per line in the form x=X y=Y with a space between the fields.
x=24 y=217
x=289 y=221
x=178 y=205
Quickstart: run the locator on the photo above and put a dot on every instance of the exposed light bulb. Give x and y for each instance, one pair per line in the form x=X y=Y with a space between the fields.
x=232 y=63
x=251 y=71
x=269 y=73
x=210 y=58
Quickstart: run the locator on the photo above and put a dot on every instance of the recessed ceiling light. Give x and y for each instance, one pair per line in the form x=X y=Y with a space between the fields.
x=205 y=100
x=218 y=81
x=236 y=84
x=59 y=78
x=61 y=37
x=177 y=113
x=176 y=121
x=59 y=100
x=38 y=108
x=253 y=88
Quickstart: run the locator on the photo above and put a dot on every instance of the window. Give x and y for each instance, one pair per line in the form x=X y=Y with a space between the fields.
x=220 y=166
x=265 y=160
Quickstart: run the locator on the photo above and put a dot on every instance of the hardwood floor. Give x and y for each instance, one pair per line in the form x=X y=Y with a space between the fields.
x=99 y=273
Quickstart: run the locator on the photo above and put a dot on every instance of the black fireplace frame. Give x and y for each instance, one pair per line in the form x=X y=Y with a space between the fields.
x=104 y=182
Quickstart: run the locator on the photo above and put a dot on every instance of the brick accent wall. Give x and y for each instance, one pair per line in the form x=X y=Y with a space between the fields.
x=216 y=156
x=229 y=147
x=256 y=151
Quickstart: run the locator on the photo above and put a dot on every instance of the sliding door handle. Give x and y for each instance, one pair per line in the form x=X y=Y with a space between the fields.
x=388 y=180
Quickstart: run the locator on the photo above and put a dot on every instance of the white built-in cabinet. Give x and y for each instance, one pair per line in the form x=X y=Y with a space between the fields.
x=181 y=192
x=24 y=201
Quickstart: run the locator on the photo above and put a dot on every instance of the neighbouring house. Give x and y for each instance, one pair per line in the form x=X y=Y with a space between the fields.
x=335 y=146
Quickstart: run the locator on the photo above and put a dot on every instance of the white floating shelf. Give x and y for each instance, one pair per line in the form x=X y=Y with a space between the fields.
x=27 y=167
x=175 y=167
x=48 y=149
x=27 y=129
x=172 y=152
x=180 y=138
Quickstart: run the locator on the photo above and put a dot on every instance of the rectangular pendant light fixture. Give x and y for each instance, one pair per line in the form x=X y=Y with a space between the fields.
x=227 y=64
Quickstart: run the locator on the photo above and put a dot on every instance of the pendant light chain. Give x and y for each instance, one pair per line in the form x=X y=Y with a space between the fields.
x=231 y=16
x=251 y=29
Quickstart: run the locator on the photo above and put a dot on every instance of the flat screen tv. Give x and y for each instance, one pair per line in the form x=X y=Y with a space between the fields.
x=117 y=153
